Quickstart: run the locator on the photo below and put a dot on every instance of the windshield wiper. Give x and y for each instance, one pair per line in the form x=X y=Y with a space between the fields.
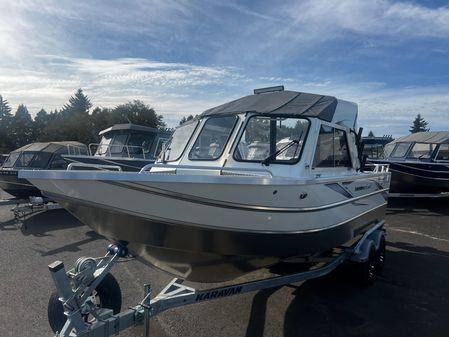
x=272 y=156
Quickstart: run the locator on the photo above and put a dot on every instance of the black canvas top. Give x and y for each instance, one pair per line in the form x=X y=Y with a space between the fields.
x=435 y=137
x=280 y=102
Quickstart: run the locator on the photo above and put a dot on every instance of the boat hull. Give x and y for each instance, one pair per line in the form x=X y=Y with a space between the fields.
x=418 y=177
x=20 y=188
x=202 y=254
x=210 y=229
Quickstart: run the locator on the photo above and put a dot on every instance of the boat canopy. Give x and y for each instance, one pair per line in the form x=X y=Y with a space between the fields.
x=53 y=147
x=130 y=127
x=280 y=102
x=434 y=137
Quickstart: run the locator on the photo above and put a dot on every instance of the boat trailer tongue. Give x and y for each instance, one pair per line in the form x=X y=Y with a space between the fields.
x=75 y=288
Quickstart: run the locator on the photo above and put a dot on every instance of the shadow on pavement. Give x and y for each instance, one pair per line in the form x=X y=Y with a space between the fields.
x=410 y=298
x=418 y=206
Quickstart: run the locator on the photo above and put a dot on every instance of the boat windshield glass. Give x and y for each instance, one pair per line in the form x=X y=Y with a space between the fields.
x=272 y=139
x=443 y=152
x=388 y=149
x=422 y=151
x=178 y=141
x=139 y=144
x=11 y=159
x=400 y=150
x=212 y=139
x=102 y=149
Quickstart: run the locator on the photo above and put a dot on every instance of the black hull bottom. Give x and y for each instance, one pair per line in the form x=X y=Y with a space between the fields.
x=402 y=182
x=206 y=255
x=20 y=188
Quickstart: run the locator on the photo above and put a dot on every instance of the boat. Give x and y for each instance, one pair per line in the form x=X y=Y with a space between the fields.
x=35 y=156
x=419 y=163
x=229 y=195
x=128 y=146
x=373 y=147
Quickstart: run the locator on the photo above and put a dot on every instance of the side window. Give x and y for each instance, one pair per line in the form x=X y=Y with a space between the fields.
x=332 y=149
x=443 y=153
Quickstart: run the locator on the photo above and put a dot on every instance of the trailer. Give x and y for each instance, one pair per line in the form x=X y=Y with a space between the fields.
x=87 y=302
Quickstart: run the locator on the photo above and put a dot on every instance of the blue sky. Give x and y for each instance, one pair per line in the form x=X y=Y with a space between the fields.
x=182 y=57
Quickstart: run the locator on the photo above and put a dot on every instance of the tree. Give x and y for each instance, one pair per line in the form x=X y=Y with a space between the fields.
x=419 y=125
x=136 y=112
x=186 y=119
x=371 y=134
x=22 y=131
x=78 y=104
x=5 y=123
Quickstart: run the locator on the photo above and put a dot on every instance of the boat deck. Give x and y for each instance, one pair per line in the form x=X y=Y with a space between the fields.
x=411 y=298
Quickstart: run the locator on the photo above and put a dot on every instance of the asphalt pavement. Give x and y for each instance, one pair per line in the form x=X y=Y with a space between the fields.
x=410 y=298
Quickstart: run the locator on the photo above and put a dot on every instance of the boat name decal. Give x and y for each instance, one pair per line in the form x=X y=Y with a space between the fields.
x=218 y=293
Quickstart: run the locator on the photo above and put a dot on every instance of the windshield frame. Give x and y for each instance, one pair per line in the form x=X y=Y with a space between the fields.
x=168 y=143
x=274 y=161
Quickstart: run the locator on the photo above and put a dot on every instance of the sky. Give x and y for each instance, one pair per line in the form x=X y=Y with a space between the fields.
x=183 y=57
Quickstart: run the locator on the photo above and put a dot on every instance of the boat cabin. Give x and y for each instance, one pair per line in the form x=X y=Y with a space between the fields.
x=130 y=140
x=420 y=146
x=43 y=155
x=292 y=133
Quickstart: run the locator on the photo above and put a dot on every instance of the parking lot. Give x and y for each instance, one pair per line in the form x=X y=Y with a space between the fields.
x=410 y=298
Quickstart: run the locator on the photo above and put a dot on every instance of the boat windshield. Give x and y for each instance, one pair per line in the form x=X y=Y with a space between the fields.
x=178 y=141
x=213 y=138
x=274 y=139
x=422 y=151
x=12 y=158
x=388 y=149
x=400 y=150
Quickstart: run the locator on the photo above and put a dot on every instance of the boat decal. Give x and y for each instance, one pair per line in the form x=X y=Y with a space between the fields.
x=218 y=293
x=227 y=204
x=340 y=189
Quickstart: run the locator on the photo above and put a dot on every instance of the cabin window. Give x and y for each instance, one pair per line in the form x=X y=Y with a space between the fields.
x=332 y=148
x=422 y=151
x=388 y=149
x=275 y=139
x=118 y=144
x=443 y=152
x=102 y=149
x=139 y=144
x=24 y=159
x=40 y=160
x=58 y=163
x=400 y=150
x=213 y=138
x=178 y=141
x=12 y=158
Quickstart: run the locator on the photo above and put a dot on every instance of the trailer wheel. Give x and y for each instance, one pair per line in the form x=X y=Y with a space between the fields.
x=380 y=255
x=107 y=294
x=366 y=271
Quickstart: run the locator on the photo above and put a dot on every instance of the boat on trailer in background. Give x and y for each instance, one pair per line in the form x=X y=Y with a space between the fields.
x=230 y=194
x=419 y=164
x=127 y=146
x=35 y=156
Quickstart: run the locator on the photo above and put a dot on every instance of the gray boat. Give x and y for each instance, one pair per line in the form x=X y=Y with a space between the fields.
x=262 y=179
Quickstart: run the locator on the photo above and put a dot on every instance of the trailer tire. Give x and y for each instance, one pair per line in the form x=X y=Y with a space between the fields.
x=366 y=271
x=108 y=295
x=380 y=254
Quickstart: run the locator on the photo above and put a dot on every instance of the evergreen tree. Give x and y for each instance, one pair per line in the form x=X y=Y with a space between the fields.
x=419 y=125
x=22 y=131
x=371 y=134
x=5 y=126
x=78 y=104
x=186 y=119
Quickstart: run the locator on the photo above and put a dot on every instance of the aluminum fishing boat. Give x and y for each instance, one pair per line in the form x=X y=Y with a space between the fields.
x=128 y=146
x=252 y=182
x=419 y=163
x=35 y=156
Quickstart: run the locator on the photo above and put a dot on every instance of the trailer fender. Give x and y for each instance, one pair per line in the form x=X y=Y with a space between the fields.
x=362 y=254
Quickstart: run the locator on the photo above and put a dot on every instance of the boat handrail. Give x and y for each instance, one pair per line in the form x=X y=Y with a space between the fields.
x=381 y=168
x=94 y=166
x=222 y=170
x=109 y=146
